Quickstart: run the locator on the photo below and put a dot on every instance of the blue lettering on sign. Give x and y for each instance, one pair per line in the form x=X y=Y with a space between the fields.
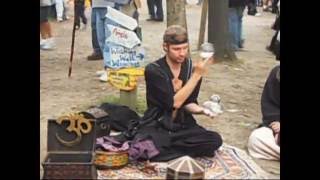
x=116 y=56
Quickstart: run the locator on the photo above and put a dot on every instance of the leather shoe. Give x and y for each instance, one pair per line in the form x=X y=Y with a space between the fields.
x=95 y=56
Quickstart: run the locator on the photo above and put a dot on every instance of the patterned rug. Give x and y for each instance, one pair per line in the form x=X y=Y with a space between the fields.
x=228 y=163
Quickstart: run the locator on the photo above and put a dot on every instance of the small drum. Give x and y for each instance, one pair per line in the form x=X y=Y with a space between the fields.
x=111 y=160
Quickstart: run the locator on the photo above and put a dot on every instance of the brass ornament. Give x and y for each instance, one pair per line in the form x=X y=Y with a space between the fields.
x=76 y=125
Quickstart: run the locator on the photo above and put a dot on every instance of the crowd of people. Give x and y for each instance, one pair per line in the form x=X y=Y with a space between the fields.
x=173 y=81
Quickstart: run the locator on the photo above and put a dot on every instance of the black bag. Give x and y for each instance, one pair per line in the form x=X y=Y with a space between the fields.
x=111 y=116
x=120 y=115
x=153 y=117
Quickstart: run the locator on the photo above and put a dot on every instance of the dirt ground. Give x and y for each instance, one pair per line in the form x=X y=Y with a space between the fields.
x=239 y=83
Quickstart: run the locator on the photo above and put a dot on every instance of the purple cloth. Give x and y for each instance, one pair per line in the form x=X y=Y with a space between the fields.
x=137 y=149
x=110 y=144
x=142 y=149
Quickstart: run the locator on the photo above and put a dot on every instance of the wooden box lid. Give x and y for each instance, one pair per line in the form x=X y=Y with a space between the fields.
x=186 y=166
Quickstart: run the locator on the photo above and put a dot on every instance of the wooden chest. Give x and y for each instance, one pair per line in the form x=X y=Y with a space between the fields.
x=70 y=150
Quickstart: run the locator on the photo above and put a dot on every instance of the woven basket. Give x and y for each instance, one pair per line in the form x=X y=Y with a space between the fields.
x=111 y=160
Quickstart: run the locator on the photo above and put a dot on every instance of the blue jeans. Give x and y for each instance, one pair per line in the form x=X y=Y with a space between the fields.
x=100 y=21
x=235 y=26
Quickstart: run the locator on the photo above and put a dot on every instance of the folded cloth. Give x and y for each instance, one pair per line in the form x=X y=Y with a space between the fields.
x=142 y=149
x=108 y=143
x=138 y=148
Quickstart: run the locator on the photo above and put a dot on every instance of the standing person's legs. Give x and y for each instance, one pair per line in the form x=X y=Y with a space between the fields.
x=97 y=53
x=65 y=10
x=77 y=16
x=240 y=37
x=83 y=15
x=233 y=27
x=265 y=5
x=44 y=13
x=100 y=26
x=159 y=13
x=47 y=41
x=151 y=4
x=275 y=6
x=59 y=10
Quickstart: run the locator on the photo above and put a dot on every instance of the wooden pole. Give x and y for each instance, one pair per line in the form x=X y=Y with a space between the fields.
x=203 y=22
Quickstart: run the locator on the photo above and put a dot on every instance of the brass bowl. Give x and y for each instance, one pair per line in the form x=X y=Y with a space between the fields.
x=111 y=160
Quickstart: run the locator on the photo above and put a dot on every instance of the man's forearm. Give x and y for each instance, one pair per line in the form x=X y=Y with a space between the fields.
x=194 y=108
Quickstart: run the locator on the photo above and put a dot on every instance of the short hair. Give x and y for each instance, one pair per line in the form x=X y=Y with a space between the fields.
x=175 y=34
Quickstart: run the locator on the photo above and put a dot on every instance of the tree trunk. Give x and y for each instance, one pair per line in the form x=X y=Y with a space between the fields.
x=176 y=13
x=218 y=29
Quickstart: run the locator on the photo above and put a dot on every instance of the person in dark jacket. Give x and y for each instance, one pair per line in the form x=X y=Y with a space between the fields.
x=264 y=142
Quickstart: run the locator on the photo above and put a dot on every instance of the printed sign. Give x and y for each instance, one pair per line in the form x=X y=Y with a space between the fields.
x=125 y=79
x=120 y=36
x=116 y=56
x=122 y=19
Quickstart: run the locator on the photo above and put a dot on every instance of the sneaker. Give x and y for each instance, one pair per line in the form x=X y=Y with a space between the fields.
x=59 y=19
x=95 y=56
x=42 y=42
x=100 y=73
x=159 y=19
x=48 y=45
x=151 y=18
x=257 y=14
x=104 y=77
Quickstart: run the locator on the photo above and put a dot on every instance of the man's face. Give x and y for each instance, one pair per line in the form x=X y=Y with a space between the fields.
x=177 y=53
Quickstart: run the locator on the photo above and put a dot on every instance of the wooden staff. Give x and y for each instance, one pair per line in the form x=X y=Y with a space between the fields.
x=72 y=42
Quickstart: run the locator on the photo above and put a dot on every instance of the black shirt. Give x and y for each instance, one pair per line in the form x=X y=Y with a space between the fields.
x=270 y=100
x=160 y=92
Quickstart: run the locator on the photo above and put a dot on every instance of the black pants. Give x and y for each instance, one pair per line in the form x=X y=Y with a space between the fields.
x=79 y=13
x=275 y=7
x=155 y=13
x=252 y=8
x=194 y=142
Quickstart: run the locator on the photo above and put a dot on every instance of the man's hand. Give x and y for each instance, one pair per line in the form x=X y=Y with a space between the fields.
x=201 y=66
x=209 y=113
x=196 y=109
x=275 y=126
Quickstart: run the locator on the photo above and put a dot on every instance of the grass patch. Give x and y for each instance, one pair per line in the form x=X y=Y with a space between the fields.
x=141 y=102
x=110 y=99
